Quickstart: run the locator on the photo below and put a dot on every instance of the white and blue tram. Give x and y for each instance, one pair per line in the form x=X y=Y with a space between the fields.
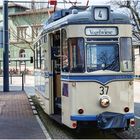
x=84 y=68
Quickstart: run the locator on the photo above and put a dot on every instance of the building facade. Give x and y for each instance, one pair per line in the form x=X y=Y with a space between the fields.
x=24 y=26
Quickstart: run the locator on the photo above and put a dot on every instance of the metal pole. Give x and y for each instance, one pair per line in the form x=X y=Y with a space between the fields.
x=11 y=78
x=5 y=48
x=23 y=81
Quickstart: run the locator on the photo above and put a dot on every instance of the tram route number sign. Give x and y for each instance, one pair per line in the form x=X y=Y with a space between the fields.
x=101 y=13
x=104 y=90
x=127 y=65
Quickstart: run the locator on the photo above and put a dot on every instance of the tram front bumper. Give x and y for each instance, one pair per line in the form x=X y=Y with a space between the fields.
x=106 y=120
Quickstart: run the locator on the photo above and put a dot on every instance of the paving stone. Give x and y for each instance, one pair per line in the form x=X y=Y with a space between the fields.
x=31 y=103
x=30 y=100
x=16 y=117
x=35 y=112
x=33 y=108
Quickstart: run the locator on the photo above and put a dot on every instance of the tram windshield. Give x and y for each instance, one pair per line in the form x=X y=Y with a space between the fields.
x=102 y=57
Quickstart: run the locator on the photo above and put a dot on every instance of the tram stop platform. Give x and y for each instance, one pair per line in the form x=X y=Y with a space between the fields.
x=16 y=117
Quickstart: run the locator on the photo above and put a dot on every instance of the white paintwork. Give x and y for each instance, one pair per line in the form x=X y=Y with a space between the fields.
x=86 y=95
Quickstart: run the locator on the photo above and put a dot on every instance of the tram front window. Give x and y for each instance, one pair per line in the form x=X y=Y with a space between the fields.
x=102 y=57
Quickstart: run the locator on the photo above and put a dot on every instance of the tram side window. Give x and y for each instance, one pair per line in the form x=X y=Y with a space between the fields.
x=38 y=58
x=126 y=54
x=77 y=54
x=65 y=63
x=42 y=59
x=36 y=52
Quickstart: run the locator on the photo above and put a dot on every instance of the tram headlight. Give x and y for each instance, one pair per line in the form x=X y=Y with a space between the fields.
x=105 y=101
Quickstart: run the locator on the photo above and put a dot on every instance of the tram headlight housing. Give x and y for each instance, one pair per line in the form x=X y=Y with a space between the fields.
x=105 y=101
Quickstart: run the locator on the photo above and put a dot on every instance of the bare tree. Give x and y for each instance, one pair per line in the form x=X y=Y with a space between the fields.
x=33 y=19
x=133 y=7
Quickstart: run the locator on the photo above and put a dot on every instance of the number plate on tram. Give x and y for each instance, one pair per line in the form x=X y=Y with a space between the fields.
x=104 y=90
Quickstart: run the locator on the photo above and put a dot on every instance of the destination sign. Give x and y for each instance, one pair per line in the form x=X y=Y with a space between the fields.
x=107 y=31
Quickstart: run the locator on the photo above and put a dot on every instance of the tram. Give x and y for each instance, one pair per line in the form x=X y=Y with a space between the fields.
x=84 y=68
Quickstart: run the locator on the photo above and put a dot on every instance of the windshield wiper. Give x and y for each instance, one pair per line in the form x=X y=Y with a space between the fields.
x=112 y=66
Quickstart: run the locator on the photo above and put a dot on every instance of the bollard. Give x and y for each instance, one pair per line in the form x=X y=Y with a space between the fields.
x=11 y=78
x=22 y=82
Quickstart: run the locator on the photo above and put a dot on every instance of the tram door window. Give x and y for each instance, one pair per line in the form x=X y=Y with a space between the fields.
x=65 y=63
x=77 y=55
x=55 y=50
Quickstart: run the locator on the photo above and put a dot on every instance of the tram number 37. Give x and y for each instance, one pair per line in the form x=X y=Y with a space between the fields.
x=104 y=90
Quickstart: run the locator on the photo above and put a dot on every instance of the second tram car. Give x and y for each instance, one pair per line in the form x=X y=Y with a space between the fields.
x=84 y=68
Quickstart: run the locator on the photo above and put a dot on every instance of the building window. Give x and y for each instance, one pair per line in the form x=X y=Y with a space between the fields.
x=35 y=30
x=22 y=53
x=22 y=32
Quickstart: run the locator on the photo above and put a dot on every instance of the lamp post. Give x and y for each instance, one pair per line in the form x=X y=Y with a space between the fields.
x=5 y=47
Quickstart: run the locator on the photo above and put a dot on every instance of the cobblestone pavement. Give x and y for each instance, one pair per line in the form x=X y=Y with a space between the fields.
x=16 y=117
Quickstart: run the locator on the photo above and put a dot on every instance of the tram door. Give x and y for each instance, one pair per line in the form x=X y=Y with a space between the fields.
x=55 y=50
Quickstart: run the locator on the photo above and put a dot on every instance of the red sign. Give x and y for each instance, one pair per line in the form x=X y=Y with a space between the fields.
x=53 y=2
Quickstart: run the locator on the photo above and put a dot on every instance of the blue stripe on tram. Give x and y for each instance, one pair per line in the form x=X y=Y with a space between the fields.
x=98 y=78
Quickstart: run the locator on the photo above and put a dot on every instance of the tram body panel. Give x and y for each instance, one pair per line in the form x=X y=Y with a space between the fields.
x=43 y=92
x=86 y=96
x=44 y=102
x=67 y=103
x=80 y=30
x=43 y=85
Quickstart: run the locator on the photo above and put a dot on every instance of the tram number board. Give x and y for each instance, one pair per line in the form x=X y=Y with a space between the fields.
x=102 y=31
x=101 y=13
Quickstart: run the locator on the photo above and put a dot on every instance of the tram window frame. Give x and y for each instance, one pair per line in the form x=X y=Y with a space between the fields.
x=43 y=59
x=45 y=38
x=126 y=54
x=65 y=52
x=38 y=57
x=103 y=66
x=36 y=53
x=76 y=55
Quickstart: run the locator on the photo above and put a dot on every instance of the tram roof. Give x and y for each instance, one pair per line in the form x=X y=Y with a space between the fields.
x=81 y=15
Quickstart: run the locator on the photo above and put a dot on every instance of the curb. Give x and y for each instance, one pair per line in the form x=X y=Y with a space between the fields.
x=38 y=119
x=42 y=127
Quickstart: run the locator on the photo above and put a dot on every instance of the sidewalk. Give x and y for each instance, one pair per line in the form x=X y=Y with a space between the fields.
x=16 y=116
